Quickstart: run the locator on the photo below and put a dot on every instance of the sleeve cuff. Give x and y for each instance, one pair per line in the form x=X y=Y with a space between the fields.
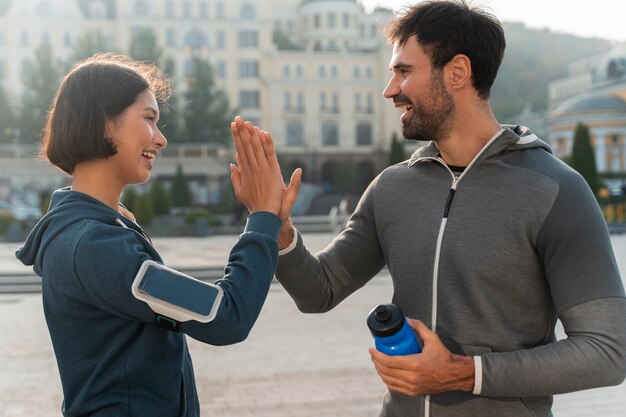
x=292 y=245
x=478 y=375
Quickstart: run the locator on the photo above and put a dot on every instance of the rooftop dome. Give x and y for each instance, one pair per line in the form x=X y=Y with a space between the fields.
x=592 y=102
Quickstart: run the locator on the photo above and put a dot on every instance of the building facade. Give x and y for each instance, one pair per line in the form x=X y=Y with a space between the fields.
x=309 y=71
x=594 y=93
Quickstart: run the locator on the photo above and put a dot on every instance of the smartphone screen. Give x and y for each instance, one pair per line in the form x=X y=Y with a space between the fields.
x=181 y=291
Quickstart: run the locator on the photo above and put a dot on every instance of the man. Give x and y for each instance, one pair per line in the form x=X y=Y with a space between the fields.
x=488 y=238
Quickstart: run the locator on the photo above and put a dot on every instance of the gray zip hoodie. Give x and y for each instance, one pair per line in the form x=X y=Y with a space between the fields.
x=489 y=261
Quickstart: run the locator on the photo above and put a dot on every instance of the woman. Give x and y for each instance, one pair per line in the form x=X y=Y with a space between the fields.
x=118 y=356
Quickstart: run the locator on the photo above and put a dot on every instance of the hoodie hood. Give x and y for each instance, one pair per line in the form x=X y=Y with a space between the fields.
x=510 y=138
x=67 y=208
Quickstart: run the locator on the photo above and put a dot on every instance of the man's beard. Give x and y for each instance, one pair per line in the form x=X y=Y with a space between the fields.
x=430 y=120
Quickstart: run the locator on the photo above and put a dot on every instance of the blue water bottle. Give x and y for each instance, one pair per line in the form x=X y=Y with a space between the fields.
x=392 y=334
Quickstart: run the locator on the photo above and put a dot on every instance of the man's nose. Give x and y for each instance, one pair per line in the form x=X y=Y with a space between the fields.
x=392 y=89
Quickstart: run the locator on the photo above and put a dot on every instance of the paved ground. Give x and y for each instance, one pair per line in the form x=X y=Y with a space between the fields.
x=292 y=365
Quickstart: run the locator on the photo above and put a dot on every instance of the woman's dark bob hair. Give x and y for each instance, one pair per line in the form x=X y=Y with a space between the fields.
x=97 y=89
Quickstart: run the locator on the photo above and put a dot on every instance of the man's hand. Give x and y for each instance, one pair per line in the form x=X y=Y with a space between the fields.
x=433 y=371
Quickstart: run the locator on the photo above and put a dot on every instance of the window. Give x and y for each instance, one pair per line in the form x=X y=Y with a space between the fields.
x=346 y=20
x=356 y=72
x=287 y=101
x=141 y=8
x=295 y=134
x=248 y=69
x=316 y=21
x=249 y=99
x=331 y=20
x=169 y=9
x=196 y=39
x=330 y=134
x=98 y=10
x=300 y=103
x=286 y=71
x=204 y=9
x=219 y=9
x=322 y=71
x=290 y=27
x=247 y=12
x=368 y=72
x=24 y=39
x=187 y=9
x=333 y=71
x=170 y=38
x=370 y=104
x=248 y=39
x=373 y=31
x=335 y=108
x=221 y=39
x=43 y=9
x=364 y=134
x=323 y=103
x=357 y=102
x=221 y=69
x=299 y=71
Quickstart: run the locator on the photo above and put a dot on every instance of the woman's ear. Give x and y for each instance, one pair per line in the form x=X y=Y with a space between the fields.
x=459 y=70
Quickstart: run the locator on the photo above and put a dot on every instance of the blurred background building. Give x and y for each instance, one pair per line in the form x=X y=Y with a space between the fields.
x=311 y=72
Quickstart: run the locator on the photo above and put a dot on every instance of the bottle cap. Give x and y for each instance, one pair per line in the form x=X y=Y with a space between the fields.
x=385 y=320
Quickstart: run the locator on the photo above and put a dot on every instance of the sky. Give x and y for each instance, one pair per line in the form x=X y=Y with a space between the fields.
x=597 y=18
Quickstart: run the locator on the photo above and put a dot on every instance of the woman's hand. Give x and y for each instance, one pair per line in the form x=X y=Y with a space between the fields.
x=256 y=178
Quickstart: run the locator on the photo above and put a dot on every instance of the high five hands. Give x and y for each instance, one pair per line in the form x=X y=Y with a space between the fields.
x=257 y=179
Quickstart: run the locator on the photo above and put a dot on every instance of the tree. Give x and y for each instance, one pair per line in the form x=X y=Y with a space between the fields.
x=144 y=213
x=144 y=47
x=206 y=112
x=7 y=117
x=129 y=199
x=87 y=45
x=41 y=79
x=181 y=195
x=161 y=199
x=583 y=158
x=396 y=151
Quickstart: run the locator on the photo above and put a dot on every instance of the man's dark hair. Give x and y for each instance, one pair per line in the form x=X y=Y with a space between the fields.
x=447 y=28
x=97 y=89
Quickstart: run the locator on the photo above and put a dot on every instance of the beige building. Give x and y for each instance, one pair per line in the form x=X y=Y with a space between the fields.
x=310 y=71
x=594 y=93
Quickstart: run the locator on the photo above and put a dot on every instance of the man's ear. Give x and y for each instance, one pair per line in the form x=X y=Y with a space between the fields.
x=459 y=72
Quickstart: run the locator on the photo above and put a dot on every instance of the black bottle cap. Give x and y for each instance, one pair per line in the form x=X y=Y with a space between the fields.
x=385 y=320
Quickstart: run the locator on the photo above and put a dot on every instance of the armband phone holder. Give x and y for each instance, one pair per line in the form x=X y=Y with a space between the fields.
x=176 y=295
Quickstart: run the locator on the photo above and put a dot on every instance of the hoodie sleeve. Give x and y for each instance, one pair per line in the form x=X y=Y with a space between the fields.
x=575 y=249
x=107 y=259
x=318 y=282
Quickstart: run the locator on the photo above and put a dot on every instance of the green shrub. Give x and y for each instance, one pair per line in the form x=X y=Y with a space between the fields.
x=144 y=211
x=200 y=213
x=5 y=221
x=161 y=199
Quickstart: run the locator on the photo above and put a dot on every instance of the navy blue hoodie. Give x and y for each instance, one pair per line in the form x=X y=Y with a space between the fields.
x=113 y=359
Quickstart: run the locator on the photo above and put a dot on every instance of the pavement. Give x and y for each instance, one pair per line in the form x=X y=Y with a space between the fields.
x=291 y=365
